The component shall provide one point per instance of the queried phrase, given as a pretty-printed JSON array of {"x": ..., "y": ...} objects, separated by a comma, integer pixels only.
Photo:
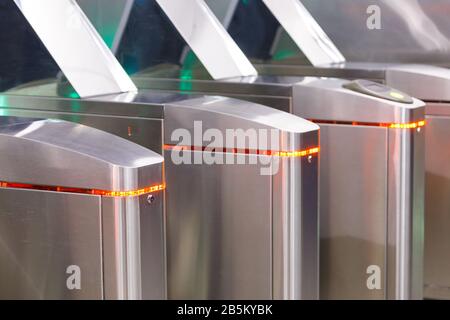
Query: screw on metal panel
[{"x": 150, "y": 199}]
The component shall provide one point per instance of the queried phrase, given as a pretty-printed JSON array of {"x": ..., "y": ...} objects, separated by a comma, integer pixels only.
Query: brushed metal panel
[
  {"x": 312, "y": 98},
  {"x": 276, "y": 102},
  {"x": 353, "y": 204},
  {"x": 261, "y": 85},
  {"x": 97, "y": 159},
  {"x": 133, "y": 240},
  {"x": 296, "y": 228},
  {"x": 114, "y": 105},
  {"x": 406, "y": 195},
  {"x": 41, "y": 234},
  {"x": 219, "y": 235},
  {"x": 145, "y": 132},
  {"x": 411, "y": 78},
  {"x": 437, "y": 208},
  {"x": 121, "y": 229},
  {"x": 327, "y": 99},
  {"x": 153, "y": 249},
  {"x": 438, "y": 109}
]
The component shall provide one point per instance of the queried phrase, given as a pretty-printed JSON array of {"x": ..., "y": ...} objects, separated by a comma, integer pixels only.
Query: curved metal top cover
[
  {"x": 329, "y": 99},
  {"x": 61, "y": 153},
  {"x": 428, "y": 83},
  {"x": 228, "y": 115}
]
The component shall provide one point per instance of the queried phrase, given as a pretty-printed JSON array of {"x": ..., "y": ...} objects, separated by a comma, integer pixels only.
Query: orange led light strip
[
  {"x": 302, "y": 153},
  {"x": 299, "y": 153},
  {"x": 105, "y": 193},
  {"x": 411, "y": 125}
]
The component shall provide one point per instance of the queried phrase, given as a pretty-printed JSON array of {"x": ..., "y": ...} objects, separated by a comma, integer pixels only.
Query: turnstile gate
[
  {"x": 269, "y": 227},
  {"x": 372, "y": 170},
  {"x": 81, "y": 214}
]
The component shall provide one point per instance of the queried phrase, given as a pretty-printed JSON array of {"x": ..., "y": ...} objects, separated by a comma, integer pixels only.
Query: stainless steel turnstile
[
  {"x": 364, "y": 141},
  {"x": 371, "y": 166},
  {"x": 81, "y": 214},
  {"x": 243, "y": 226},
  {"x": 241, "y": 213},
  {"x": 428, "y": 83},
  {"x": 371, "y": 178},
  {"x": 432, "y": 85}
]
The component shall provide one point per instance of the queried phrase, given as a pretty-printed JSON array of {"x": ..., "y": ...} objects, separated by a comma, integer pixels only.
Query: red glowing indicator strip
[
  {"x": 302, "y": 153},
  {"x": 105, "y": 193},
  {"x": 299, "y": 153},
  {"x": 411, "y": 125}
]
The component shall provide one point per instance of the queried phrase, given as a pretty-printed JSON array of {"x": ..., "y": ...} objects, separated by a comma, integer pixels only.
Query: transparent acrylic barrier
[
  {"x": 410, "y": 30},
  {"x": 148, "y": 42}
]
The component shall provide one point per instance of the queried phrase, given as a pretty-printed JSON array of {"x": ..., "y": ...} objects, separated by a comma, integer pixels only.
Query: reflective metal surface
[
  {"x": 391, "y": 191},
  {"x": 224, "y": 246},
  {"x": 68, "y": 242},
  {"x": 225, "y": 113},
  {"x": 354, "y": 195},
  {"x": 437, "y": 218},
  {"x": 297, "y": 197},
  {"x": 118, "y": 165},
  {"x": 260, "y": 247},
  {"x": 43, "y": 234},
  {"x": 327, "y": 99},
  {"x": 315, "y": 98},
  {"x": 412, "y": 79},
  {"x": 134, "y": 247},
  {"x": 207, "y": 38},
  {"x": 296, "y": 200},
  {"x": 404, "y": 250},
  {"x": 77, "y": 48},
  {"x": 409, "y": 78},
  {"x": 219, "y": 247},
  {"x": 405, "y": 209},
  {"x": 295, "y": 227}
]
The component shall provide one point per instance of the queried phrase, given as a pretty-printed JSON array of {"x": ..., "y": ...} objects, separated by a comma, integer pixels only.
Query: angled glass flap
[
  {"x": 109, "y": 18},
  {"x": 258, "y": 33},
  {"x": 207, "y": 38},
  {"x": 149, "y": 44},
  {"x": 305, "y": 31},
  {"x": 411, "y": 31},
  {"x": 64, "y": 37},
  {"x": 153, "y": 44},
  {"x": 224, "y": 10}
]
